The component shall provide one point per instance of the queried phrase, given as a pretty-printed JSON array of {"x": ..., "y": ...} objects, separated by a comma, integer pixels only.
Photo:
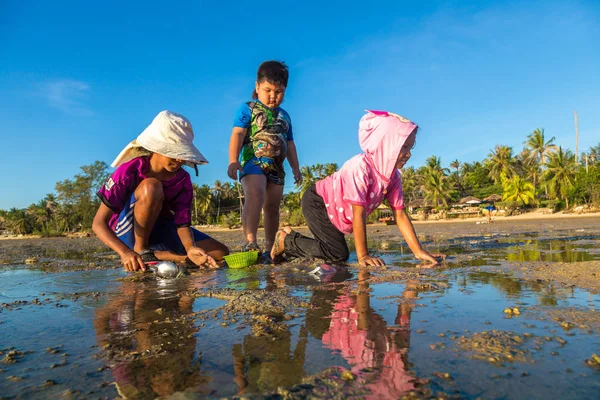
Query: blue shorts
[
  {"x": 264, "y": 166},
  {"x": 163, "y": 237}
]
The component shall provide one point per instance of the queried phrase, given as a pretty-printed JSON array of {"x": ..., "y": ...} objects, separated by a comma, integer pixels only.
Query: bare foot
[{"x": 278, "y": 246}]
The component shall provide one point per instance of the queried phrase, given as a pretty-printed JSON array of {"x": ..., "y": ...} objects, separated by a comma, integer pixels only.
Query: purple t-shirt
[{"x": 178, "y": 192}]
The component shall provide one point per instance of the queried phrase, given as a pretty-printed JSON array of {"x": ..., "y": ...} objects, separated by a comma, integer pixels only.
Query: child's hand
[
  {"x": 368, "y": 260},
  {"x": 233, "y": 169},
  {"x": 200, "y": 258},
  {"x": 297, "y": 176},
  {"x": 132, "y": 261},
  {"x": 430, "y": 258}
]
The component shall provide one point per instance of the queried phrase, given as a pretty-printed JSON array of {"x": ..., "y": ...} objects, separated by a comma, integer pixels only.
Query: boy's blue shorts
[
  {"x": 264, "y": 166},
  {"x": 163, "y": 237}
]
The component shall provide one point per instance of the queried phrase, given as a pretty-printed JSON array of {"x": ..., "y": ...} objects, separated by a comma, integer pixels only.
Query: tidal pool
[{"x": 361, "y": 332}]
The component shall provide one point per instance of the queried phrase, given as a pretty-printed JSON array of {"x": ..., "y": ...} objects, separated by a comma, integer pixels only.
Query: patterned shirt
[{"x": 265, "y": 144}]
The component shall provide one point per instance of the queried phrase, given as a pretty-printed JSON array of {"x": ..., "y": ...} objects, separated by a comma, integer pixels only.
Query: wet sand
[
  {"x": 90, "y": 253},
  {"x": 273, "y": 332}
]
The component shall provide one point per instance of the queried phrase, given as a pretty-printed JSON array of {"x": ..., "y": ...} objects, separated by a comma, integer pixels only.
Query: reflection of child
[
  {"x": 145, "y": 211},
  {"x": 365, "y": 341},
  {"x": 340, "y": 203},
  {"x": 166, "y": 363},
  {"x": 262, "y": 131}
]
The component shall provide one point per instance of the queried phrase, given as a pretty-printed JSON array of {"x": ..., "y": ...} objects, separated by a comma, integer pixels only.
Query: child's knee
[
  {"x": 254, "y": 195},
  {"x": 151, "y": 190}
]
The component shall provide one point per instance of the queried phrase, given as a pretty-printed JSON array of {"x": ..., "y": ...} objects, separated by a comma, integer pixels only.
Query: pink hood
[{"x": 381, "y": 136}]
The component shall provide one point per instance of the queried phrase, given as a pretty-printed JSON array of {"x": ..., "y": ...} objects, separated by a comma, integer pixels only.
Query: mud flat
[{"x": 513, "y": 313}]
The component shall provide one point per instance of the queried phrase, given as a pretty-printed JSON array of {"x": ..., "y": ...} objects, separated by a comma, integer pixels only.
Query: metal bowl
[{"x": 166, "y": 269}]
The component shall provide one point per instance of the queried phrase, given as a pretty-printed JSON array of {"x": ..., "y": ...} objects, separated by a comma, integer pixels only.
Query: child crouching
[
  {"x": 339, "y": 204},
  {"x": 145, "y": 214}
]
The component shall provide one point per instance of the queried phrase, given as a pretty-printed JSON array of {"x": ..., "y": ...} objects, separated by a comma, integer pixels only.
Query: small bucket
[{"x": 242, "y": 260}]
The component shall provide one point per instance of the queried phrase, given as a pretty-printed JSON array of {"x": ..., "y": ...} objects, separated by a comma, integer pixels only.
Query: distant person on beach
[
  {"x": 145, "y": 214},
  {"x": 262, "y": 132},
  {"x": 339, "y": 204}
]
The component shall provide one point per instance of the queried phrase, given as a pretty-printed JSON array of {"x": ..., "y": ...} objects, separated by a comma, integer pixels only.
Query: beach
[{"x": 515, "y": 302}]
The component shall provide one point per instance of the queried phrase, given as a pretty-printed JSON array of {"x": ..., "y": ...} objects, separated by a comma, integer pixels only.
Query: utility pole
[{"x": 576, "y": 139}]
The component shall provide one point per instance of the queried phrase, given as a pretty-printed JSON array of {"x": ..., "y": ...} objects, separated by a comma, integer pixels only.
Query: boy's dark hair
[{"x": 275, "y": 72}]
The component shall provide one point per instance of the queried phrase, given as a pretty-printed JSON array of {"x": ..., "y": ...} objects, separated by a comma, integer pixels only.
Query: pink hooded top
[{"x": 368, "y": 178}]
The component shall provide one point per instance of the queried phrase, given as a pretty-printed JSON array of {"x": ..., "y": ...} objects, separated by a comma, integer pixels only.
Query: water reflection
[
  {"x": 365, "y": 340},
  {"x": 262, "y": 364},
  {"x": 149, "y": 340},
  {"x": 550, "y": 251},
  {"x": 516, "y": 288}
]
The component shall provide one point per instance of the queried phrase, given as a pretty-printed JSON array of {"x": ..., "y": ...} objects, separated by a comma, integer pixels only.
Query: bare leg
[
  {"x": 271, "y": 213},
  {"x": 254, "y": 196},
  {"x": 149, "y": 200},
  {"x": 213, "y": 247}
]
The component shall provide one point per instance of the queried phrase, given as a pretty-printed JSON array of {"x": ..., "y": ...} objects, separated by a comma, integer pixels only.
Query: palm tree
[
  {"x": 537, "y": 149},
  {"x": 202, "y": 200},
  {"x": 501, "y": 160},
  {"x": 433, "y": 163},
  {"x": 560, "y": 173},
  {"x": 16, "y": 221},
  {"x": 218, "y": 188},
  {"x": 592, "y": 155},
  {"x": 410, "y": 183},
  {"x": 308, "y": 179},
  {"x": 330, "y": 169},
  {"x": 456, "y": 166},
  {"x": 436, "y": 187},
  {"x": 517, "y": 189}
]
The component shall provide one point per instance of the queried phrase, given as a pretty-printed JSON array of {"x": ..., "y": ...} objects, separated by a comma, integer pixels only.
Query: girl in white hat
[{"x": 145, "y": 214}]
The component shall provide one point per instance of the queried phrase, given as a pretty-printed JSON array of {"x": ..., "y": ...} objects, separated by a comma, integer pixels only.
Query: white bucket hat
[{"x": 169, "y": 134}]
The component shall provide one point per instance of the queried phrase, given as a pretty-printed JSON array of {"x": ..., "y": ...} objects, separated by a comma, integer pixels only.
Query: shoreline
[{"x": 474, "y": 221}]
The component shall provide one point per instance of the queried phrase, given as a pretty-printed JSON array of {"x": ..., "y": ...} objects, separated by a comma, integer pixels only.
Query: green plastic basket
[{"x": 242, "y": 260}]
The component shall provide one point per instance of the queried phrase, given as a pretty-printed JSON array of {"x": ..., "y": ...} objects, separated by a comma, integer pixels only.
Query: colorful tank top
[{"x": 265, "y": 144}]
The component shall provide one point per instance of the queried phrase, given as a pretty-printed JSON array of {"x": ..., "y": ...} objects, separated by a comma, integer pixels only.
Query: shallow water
[{"x": 88, "y": 334}]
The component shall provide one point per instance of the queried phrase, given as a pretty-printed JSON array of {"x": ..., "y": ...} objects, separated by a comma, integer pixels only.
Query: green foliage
[
  {"x": 517, "y": 189},
  {"x": 313, "y": 173},
  {"x": 555, "y": 205},
  {"x": 436, "y": 185},
  {"x": 77, "y": 197},
  {"x": 373, "y": 217},
  {"x": 586, "y": 189},
  {"x": 296, "y": 217},
  {"x": 552, "y": 170},
  {"x": 560, "y": 174},
  {"x": 230, "y": 220},
  {"x": 499, "y": 161}
]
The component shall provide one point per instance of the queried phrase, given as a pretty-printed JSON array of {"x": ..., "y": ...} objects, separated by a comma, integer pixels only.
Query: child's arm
[
  {"x": 292, "y": 156},
  {"x": 408, "y": 231},
  {"x": 130, "y": 259},
  {"x": 235, "y": 146},
  {"x": 359, "y": 229},
  {"x": 195, "y": 254}
]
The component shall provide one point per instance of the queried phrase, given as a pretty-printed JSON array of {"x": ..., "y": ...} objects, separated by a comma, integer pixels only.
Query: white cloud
[{"x": 67, "y": 95}]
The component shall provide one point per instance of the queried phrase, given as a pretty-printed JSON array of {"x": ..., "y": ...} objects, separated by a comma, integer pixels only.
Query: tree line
[{"x": 540, "y": 174}]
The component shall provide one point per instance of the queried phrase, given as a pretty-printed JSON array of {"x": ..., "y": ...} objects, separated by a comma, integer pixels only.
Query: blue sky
[{"x": 79, "y": 81}]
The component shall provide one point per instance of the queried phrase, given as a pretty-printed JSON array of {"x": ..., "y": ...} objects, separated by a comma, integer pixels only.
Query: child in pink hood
[{"x": 339, "y": 204}]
